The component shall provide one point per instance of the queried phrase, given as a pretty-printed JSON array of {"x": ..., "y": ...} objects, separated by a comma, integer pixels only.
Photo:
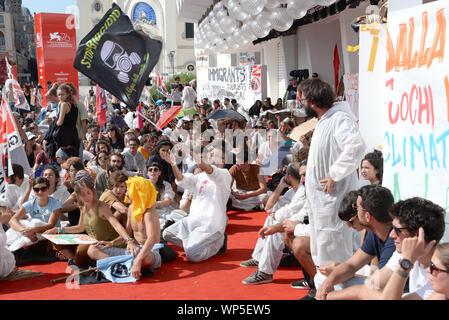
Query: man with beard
[
  {"x": 373, "y": 206},
  {"x": 116, "y": 162},
  {"x": 335, "y": 153}
]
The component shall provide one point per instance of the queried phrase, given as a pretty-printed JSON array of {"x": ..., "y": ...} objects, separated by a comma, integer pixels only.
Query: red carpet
[{"x": 218, "y": 278}]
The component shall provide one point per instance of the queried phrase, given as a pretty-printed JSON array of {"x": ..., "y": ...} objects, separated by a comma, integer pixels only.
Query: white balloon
[
  {"x": 280, "y": 20},
  {"x": 211, "y": 36},
  {"x": 215, "y": 25},
  {"x": 236, "y": 11},
  {"x": 271, "y": 4},
  {"x": 326, "y": 3},
  {"x": 218, "y": 6},
  {"x": 296, "y": 9},
  {"x": 247, "y": 32},
  {"x": 221, "y": 13},
  {"x": 228, "y": 24},
  {"x": 238, "y": 37},
  {"x": 253, "y": 7},
  {"x": 260, "y": 31},
  {"x": 231, "y": 43}
]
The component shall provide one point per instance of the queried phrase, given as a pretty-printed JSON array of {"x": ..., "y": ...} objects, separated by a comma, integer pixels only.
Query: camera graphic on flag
[{"x": 115, "y": 57}]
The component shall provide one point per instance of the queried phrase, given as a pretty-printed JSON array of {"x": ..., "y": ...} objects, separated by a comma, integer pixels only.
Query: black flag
[{"x": 117, "y": 57}]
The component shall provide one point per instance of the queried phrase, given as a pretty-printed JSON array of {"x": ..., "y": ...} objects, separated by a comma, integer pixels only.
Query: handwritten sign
[
  {"x": 242, "y": 83},
  {"x": 417, "y": 103}
]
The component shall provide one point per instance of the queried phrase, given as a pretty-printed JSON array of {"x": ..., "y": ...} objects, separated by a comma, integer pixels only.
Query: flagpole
[{"x": 139, "y": 113}]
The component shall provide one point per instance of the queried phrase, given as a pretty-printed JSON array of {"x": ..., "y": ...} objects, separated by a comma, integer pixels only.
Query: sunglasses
[
  {"x": 398, "y": 231},
  {"x": 433, "y": 268},
  {"x": 153, "y": 169},
  {"x": 351, "y": 221},
  {"x": 37, "y": 189}
]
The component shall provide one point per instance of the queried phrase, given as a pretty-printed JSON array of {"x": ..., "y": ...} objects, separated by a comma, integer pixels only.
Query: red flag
[
  {"x": 161, "y": 86},
  {"x": 336, "y": 66},
  {"x": 168, "y": 116},
  {"x": 101, "y": 106},
  {"x": 9, "y": 140}
]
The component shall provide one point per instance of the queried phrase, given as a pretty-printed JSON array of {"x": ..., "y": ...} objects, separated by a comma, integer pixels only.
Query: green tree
[{"x": 183, "y": 77}]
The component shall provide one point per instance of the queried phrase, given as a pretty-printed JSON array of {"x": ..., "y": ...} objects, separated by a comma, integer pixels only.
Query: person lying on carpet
[
  {"x": 95, "y": 218},
  {"x": 269, "y": 248},
  {"x": 142, "y": 225},
  {"x": 202, "y": 232}
]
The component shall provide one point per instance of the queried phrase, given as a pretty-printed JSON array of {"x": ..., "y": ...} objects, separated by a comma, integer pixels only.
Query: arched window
[{"x": 2, "y": 39}]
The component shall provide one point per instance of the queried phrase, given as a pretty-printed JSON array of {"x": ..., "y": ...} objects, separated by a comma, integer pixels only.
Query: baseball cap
[{"x": 30, "y": 135}]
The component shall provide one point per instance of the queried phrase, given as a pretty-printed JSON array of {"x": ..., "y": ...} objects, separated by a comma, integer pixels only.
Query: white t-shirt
[{"x": 418, "y": 276}]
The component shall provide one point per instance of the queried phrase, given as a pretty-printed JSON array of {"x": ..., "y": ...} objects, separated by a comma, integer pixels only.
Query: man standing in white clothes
[{"x": 335, "y": 153}]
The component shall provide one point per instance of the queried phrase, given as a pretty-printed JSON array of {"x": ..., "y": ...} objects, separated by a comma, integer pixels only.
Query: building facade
[
  {"x": 158, "y": 19},
  {"x": 17, "y": 41}
]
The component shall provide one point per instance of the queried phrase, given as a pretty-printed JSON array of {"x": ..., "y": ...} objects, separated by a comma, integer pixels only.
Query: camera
[{"x": 300, "y": 75}]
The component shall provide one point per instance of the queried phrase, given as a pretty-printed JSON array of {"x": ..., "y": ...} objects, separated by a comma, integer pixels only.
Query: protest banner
[
  {"x": 246, "y": 83},
  {"x": 117, "y": 57},
  {"x": 372, "y": 60},
  {"x": 416, "y": 107}
]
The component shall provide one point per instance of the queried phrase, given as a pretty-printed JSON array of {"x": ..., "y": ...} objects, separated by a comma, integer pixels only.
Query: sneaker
[
  {"x": 310, "y": 296},
  {"x": 251, "y": 263},
  {"x": 258, "y": 277},
  {"x": 301, "y": 284}
]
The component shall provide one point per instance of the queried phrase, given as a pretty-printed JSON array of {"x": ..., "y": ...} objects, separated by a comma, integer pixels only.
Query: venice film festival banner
[
  {"x": 414, "y": 113},
  {"x": 118, "y": 58},
  {"x": 56, "y": 48},
  {"x": 246, "y": 84}
]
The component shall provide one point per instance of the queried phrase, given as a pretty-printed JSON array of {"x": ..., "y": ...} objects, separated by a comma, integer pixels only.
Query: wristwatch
[{"x": 405, "y": 264}]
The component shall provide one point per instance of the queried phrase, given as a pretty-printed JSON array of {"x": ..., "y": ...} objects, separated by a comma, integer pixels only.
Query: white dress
[
  {"x": 201, "y": 233},
  {"x": 336, "y": 151}
]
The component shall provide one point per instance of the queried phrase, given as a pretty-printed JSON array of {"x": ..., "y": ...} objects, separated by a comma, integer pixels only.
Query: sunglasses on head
[
  {"x": 433, "y": 268},
  {"x": 37, "y": 189},
  {"x": 153, "y": 169}
]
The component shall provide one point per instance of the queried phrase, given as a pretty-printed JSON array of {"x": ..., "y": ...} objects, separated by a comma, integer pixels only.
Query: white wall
[{"x": 322, "y": 37}]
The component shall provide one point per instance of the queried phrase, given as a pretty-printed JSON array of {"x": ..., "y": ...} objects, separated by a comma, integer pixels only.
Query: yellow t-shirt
[{"x": 146, "y": 154}]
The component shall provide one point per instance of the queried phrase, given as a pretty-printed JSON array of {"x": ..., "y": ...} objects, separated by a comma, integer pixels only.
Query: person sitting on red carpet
[
  {"x": 202, "y": 232},
  {"x": 142, "y": 225},
  {"x": 269, "y": 248}
]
